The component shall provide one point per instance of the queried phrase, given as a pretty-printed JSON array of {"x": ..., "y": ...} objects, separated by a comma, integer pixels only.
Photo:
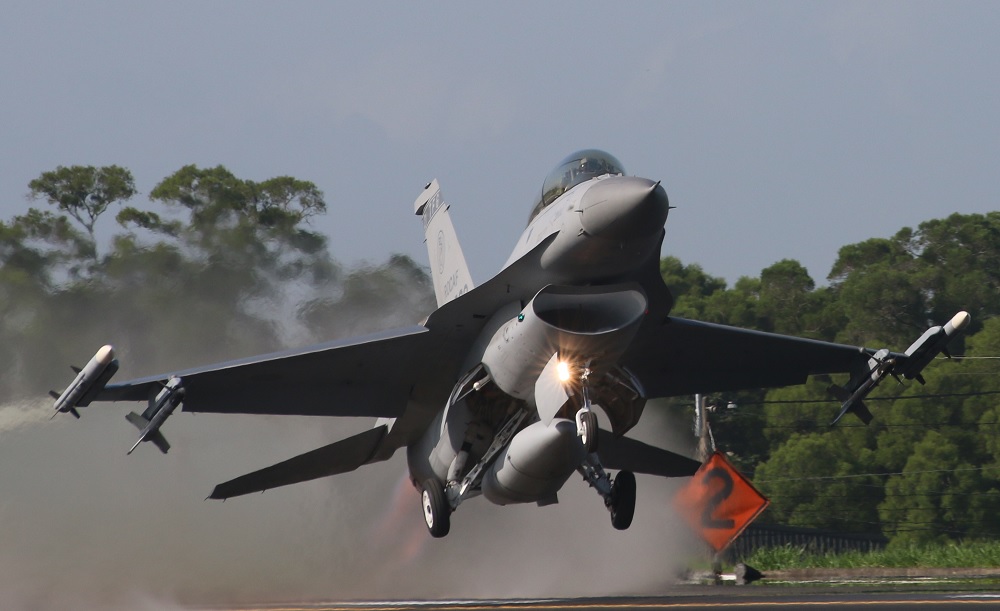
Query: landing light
[{"x": 562, "y": 370}]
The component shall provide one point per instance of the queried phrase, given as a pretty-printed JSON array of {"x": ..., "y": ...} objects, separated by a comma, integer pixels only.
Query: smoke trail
[
  {"x": 19, "y": 413},
  {"x": 85, "y": 526}
]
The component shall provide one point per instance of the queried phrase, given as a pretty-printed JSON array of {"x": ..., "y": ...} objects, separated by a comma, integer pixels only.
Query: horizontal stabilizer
[
  {"x": 339, "y": 457},
  {"x": 632, "y": 455}
]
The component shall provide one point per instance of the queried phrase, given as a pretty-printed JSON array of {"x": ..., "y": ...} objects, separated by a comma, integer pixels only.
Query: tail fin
[{"x": 448, "y": 268}]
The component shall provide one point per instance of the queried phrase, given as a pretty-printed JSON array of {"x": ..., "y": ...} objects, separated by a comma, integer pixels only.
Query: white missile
[
  {"x": 156, "y": 414},
  {"x": 88, "y": 382},
  {"x": 933, "y": 342}
]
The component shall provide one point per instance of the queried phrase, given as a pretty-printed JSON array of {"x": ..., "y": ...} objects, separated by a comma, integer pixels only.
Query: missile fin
[
  {"x": 138, "y": 421},
  {"x": 159, "y": 441}
]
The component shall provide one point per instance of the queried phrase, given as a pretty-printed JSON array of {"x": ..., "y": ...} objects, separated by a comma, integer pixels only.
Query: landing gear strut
[{"x": 586, "y": 418}]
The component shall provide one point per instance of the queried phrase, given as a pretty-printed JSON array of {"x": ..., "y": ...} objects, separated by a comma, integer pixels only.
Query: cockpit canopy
[{"x": 578, "y": 167}]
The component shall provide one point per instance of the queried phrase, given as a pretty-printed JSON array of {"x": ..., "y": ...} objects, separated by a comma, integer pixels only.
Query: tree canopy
[{"x": 928, "y": 467}]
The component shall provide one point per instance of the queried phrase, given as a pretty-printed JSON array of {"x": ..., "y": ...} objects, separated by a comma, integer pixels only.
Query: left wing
[
  {"x": 684, "y": 357},
  {"x": 363, "y": 376}
]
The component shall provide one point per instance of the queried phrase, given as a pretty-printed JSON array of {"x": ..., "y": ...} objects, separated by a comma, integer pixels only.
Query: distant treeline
[
  {"x": 212, "y": 267},
  {"x": 218, "y": 267},
  {"x": 928, "y": 467}
]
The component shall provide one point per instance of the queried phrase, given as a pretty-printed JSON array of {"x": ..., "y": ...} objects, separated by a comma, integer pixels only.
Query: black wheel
[
  {"x": 623, "y": 500},
  {"x": 589, "y": 436},
  {"x": 437, "y": 512}
]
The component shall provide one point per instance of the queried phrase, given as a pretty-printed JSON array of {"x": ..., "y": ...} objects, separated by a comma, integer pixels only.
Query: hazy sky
[{"x": 779, "y": 129}]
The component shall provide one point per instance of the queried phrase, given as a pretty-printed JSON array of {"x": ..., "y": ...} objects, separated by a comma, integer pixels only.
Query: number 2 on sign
[{"x": 713, "y": 503}]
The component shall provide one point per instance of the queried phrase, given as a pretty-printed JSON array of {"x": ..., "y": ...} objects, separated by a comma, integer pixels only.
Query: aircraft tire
[
  {"x": 623, "y": 500},
  {"x": 437, "y": 512},
  {"x": 589, "y": 437}
]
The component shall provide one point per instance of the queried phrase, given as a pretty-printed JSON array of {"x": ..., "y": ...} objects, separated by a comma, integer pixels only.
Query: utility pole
[{"x": 706, "y": 443}]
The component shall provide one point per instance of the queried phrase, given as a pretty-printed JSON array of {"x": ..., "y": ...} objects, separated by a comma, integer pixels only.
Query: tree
[
  {"x": 689, "y": 285},
  {"x": 84, "y": 192},
  {"x": 821, "y": 480},
  {"x": 939, "y": 496},
  {"x": 394, "y": 294},
  {"x": 788, "y": 302}
]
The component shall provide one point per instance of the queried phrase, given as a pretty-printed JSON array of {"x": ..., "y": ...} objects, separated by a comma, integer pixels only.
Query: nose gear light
[{"x": 562, "y": 370}]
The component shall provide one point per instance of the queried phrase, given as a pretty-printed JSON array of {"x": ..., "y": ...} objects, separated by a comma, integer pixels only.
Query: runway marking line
[{"x": 624, "y": 605}]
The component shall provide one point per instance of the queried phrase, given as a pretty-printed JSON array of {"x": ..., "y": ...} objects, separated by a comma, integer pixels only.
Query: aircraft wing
[
  {"x": 683, "y": 357},
  {"x": 338, "y": 457},
  {"x": 363, "y": 376}
]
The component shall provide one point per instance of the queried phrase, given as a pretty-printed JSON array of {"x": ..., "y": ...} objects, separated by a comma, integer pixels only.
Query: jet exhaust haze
[{"x": 86, "y": 526}]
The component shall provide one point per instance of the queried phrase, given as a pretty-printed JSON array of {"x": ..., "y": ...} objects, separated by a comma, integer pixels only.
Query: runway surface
[{"x": 965, "y": 596}]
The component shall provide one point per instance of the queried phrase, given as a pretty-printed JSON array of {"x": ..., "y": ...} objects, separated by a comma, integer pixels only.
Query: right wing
[{"x": 363, "y": 376}]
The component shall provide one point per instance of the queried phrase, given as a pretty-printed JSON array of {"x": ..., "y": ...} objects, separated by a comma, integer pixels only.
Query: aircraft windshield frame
[{"x": 579, "y": 167}]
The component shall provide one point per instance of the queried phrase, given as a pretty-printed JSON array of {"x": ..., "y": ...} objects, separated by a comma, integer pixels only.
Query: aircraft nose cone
[{"x": 624, "y": 207}]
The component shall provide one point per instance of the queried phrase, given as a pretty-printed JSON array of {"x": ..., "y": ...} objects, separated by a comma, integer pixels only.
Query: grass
[{"x": 973, "y": 554}]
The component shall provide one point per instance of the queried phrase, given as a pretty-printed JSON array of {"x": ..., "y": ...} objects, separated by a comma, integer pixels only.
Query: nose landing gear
[{"x": 586, "y": 418}]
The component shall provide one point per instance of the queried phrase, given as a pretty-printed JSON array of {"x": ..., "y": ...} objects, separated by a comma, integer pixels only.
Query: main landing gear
[
  {"x": 437, "y": 510},
  {"x": 618, "y": 495}
]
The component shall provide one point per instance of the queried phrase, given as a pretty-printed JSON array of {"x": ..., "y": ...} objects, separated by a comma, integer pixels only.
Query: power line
[
  {"x": 898, "y": 398},
  {"x": 827, "y": 426},
  {"x": 834, "y": 477}
]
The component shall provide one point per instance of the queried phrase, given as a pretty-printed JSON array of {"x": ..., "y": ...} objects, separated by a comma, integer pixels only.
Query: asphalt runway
[{"x": 965, "y": 596}]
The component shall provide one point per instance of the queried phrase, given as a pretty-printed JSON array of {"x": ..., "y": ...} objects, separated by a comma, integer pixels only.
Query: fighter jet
[{"x": 497, "y": 392}]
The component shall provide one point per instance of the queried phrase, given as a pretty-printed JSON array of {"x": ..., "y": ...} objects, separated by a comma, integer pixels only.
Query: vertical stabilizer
[{"x": 448, "y": 267}]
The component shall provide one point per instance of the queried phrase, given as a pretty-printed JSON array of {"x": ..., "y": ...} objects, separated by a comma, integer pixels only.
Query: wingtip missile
[
  {"x": 89, "y": 381},
  {"x": 933, "y": 342},
  {"x": 910, "y": 364}
]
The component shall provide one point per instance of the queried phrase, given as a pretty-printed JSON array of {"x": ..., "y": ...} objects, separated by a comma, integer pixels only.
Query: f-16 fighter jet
[{"x": 496, "y": 393}]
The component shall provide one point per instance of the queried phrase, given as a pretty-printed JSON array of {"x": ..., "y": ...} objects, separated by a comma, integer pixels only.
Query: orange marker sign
[{"x": 719, "y": 502}]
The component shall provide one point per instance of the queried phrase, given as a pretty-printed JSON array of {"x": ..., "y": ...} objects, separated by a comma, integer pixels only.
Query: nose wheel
[
  {"x": 437, "y": 511},
  {"x": 586, "y": 427}
]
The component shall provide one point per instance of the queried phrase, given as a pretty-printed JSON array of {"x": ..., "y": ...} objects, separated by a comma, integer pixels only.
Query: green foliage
[
  {"x": 950, "y": 555},
  {"x": 821, "y": 480},
  {"x": 212, "y": 267},
  {"x": 84, "y": 192},
  {"x": 928, "y": 468}
]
